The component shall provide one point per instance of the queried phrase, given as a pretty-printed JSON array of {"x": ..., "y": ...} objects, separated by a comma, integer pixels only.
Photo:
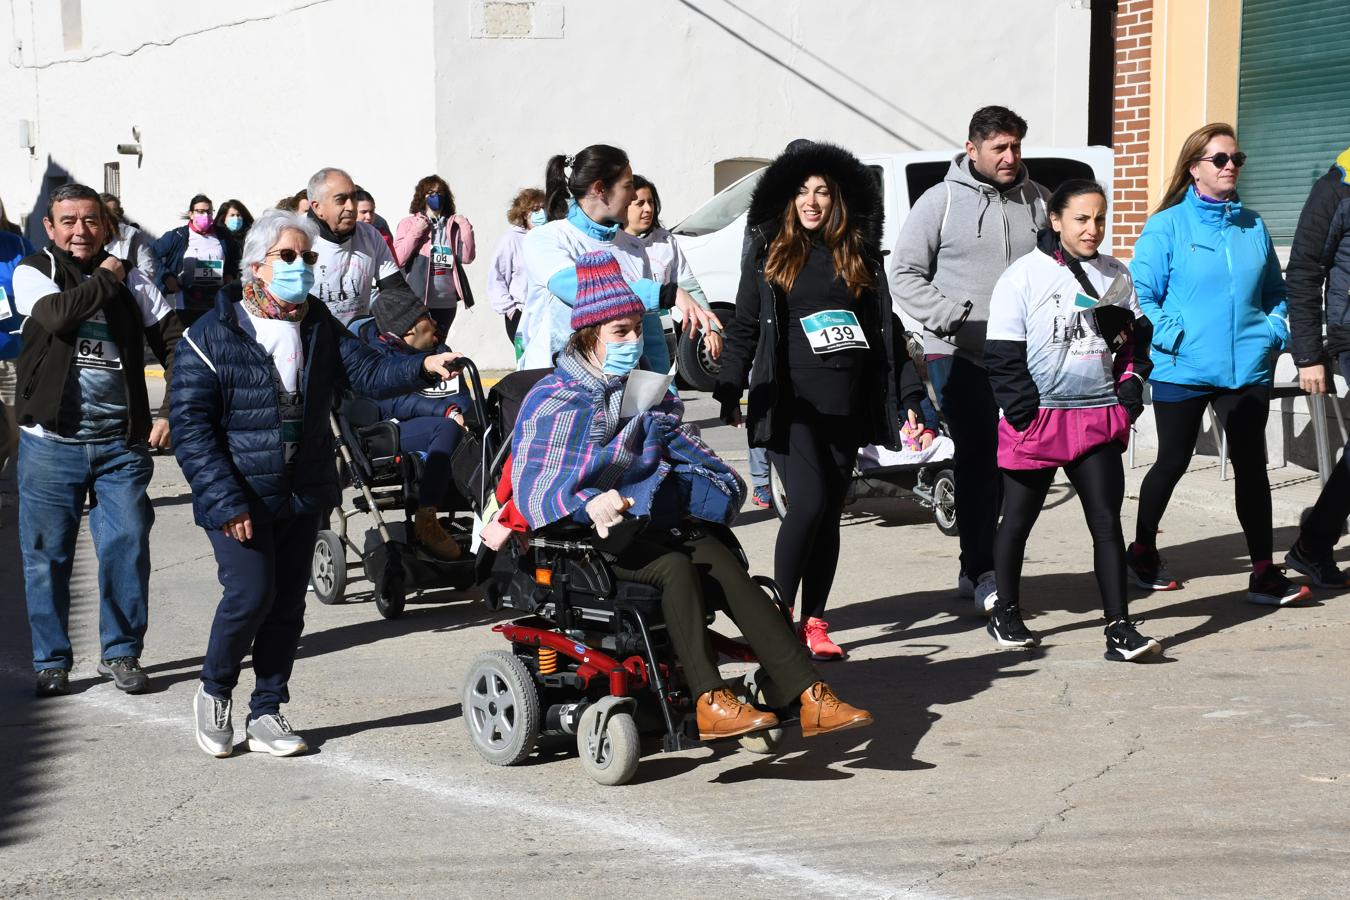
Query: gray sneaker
[
  {"x": 215, "y": 731},
  {"x": 272, "y": 734}
]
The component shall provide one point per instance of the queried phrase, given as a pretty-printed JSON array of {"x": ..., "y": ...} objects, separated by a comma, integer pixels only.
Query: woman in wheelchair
[
  {"x": 577, "y": 459},
  {"x": 430, "y": 420}
]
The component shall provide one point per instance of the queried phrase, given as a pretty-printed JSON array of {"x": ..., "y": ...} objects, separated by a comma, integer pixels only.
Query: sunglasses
[
  {"x": 288, "y": 256},
  {"x": 1222, "y": 159}
]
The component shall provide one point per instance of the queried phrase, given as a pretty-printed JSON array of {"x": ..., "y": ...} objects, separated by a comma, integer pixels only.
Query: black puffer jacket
[
  {"x": 1319, "y": 268},
  {"x": 756, "y": 346}
]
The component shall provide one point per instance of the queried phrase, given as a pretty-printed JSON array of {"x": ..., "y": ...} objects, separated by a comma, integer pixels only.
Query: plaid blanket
[{"x": 570, "y": 445}]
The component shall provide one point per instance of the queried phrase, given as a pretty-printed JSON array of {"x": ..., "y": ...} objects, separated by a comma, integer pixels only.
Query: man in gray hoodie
[{"x": 954, "y": 245}]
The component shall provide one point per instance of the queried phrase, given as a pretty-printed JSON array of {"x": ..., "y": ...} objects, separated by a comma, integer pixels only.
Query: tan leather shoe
[
  {"x": 432, "y": 535},
  {"x": 721, "y": 714},
  {"x": 823, "y": 711}
]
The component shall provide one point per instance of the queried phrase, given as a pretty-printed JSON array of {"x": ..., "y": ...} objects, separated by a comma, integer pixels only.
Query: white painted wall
[{"x": 248, "y": 98}]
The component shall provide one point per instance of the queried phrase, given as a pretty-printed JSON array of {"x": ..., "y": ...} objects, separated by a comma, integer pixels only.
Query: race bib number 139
[{"x": 834, "y": 330}]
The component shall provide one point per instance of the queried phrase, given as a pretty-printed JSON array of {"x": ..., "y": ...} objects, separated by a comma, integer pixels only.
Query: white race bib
[
  {"x": 443, "y": 388},
  {"x": 834, "y": 330},
  {"x": 207, "y": 272},
  {"x": 94, "y": 346},
  {"x": 442, "y": 256},
  {"x": 5, "y": 311}
]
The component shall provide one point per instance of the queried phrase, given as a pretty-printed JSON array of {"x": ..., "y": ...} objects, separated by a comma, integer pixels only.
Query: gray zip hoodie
[{"x": 955, "y": 243}]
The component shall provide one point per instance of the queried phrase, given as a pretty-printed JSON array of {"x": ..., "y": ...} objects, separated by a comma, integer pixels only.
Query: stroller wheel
[
  {"x": 610, "y": 756},
  {"x": 501, "y": 707},
  {"x": 944, "y": 502},
  {"x": 328, "y": 569},
  {"x": 778, "y": 491},
  {"x": 389, "y": 600},
  {"x": 767, "y": 741}
]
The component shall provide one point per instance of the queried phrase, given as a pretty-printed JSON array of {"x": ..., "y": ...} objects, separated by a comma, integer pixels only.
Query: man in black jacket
[
  {"x": 1318, "y": 274},
  {"x": 87, "y": 430}
]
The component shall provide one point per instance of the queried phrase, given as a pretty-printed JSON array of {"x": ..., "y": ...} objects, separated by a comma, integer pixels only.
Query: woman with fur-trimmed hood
[{"x": 815, "y": 340}]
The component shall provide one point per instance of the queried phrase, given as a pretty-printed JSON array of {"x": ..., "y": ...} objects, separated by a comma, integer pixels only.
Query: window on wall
[
  {"x": 1293, "y": 94},
  {"x": 112, "y": 178}
]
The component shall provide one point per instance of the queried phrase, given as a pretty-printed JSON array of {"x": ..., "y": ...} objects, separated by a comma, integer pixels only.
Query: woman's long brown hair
[
  {"x": 788, "y": 251},
  {"x": 1191, "y": 152}
]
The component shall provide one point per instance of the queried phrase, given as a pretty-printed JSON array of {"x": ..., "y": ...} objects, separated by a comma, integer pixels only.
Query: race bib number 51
[{"x": 834, "y": 330}]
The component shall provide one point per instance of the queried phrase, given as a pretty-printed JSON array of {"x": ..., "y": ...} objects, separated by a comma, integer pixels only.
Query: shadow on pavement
[{"x": 317, "y": 737}]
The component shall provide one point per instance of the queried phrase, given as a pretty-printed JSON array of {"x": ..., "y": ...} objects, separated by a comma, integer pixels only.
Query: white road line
[{"x": 467, "y": 791}]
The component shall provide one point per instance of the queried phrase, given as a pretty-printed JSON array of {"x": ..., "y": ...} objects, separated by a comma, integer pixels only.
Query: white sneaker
[
  {"x": 986, "y": 594},
  {"x": 965, "y": 588}
]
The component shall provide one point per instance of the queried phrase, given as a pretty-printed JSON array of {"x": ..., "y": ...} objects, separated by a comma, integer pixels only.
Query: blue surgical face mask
[
  {"x": 538, "y": 217},
  {"x": 234, "y": 223},
  {"x": 291, "y": 282},
  {"x": 621, "y": 357},
  {"x": 434, "y": 202}
]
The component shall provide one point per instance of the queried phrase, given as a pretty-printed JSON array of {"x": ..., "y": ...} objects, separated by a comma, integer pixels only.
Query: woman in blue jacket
[
  {"x": 250, "y": 405},
  {"x": 1208, "y": 279}
]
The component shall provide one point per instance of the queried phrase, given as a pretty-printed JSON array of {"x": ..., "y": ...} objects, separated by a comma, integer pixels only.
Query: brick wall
[{"x": 1130, "y": 122}]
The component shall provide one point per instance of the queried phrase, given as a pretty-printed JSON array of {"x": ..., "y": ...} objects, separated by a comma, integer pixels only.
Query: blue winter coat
[
  {"x": 426, "y": 401},
  {"x": 1208, "y": 279},
  {"x": 172, "y": 246},
  {"x": 226, "y": 422}
]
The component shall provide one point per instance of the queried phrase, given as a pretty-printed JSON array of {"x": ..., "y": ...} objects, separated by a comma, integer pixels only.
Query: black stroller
[{"x": 370, "y": 460}]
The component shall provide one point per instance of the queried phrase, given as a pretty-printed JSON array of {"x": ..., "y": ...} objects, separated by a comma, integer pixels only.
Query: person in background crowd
[
  {"x": 6, "y": 224},
  {"x": 87, "y": 428},
  {"x": 573, "y": 461},
  {"x": 1318, "y": 276},
  {"x": 13, "y": 249},
  {"x": 365, "y": 212},
  {"x": 251, "y": 401},
  {"x": 355, "y": 265},
  {"x": 195, "y": 260},
  {"x": 432, "y": 245},
  {"x": 586, "y": 197},
  {"x": 233, "y": 220},
  {"x": 506, "y": 276},
  {"x": 957, "y": 239},
  {"x": 1209, "y": 281},
  {"x": 825, "y": 377},
  {"x": 127, "y": 241},
  {"x": 663, "y": 252},
  {"x": 1067, "y": 354},
  {"x": 430, "y": 420}
]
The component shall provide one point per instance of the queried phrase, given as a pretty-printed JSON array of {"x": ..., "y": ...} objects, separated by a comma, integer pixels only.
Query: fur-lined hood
[{"x": 780, "y": 182}]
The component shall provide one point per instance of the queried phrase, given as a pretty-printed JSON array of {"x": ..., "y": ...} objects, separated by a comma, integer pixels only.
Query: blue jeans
[
  {"x": 54, "y": 479},
  {"x": 263, "y": 608},
  {"x": 967, "y": 403},
  {"x": 759, "y": 467}
]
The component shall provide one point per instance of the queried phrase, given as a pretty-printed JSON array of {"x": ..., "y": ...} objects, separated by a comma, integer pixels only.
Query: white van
[{"x": 713, "y": 235}]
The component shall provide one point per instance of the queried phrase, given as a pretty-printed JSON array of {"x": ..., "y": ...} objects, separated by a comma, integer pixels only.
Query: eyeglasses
[
  {"x": 288, "y": 256},
  {"x": 1222, "y": 159}
]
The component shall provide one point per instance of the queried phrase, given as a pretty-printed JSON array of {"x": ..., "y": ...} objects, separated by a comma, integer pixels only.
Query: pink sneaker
[{"x": 818, "y": 641}]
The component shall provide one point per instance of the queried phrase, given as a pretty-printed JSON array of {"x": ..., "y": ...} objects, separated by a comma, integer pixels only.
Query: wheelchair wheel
[
  {"x": 328, "y": 569},
  {"x": 944, "y": 502},
  {"x": 778, "y": 491},
  {"x": 760, "y": 741},
  {"x": 610, "y": 758},
  {"x": 500, "y": 707}
]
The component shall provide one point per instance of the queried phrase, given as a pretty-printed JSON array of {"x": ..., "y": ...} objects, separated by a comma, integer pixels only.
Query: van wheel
[
  {"x": 697, "y": 368},
  {"x": 778, "y": 491},
  {"x": 328, "y": 569}
]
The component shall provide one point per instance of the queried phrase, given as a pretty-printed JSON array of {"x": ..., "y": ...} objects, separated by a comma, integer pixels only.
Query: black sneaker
[
  {"x": 1007, "y": 629},
  {"x": 1125, "y": 644},
  {"x": 1148, "y": 570},
  {"x": 52, "y": 683},
  {"x": 1271, "y": 588},
  {"x": 126, "y": 673},
  {"x": 1322, "y": 572}
]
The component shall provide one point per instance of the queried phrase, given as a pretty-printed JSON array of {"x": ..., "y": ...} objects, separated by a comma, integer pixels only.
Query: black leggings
[
  {"x": 1243, "y": 414},
  {"x": 1099, "y": 479},
  {"x": 816, "y": 471}
]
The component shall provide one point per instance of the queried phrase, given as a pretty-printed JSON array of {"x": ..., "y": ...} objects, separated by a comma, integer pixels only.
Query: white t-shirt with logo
[{"x": 346, "y": 275}]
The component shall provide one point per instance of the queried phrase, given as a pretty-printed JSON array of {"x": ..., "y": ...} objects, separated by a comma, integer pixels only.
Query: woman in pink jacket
[{"x": 432, "y": 246}]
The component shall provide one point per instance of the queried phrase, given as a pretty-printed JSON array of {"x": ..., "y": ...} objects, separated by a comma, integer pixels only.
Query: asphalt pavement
[{"x": 1220, "y": 769}]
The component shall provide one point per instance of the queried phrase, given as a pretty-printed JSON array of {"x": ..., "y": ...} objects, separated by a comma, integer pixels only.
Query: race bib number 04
[
  {"x": 441, "y": 256},
  {"x": 834, "y": 330},
  {"x": 94, "y": 346}
]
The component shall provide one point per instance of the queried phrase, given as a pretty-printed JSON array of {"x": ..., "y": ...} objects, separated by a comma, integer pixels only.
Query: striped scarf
[{"x": 260, "y": 303}]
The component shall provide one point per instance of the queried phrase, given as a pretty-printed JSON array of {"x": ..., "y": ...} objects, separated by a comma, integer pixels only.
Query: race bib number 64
[{"x": 834, "y": 330}]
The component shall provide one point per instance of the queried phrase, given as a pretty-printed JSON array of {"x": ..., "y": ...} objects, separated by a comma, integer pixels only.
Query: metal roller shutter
[{"x": 1293, "y": 102}]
